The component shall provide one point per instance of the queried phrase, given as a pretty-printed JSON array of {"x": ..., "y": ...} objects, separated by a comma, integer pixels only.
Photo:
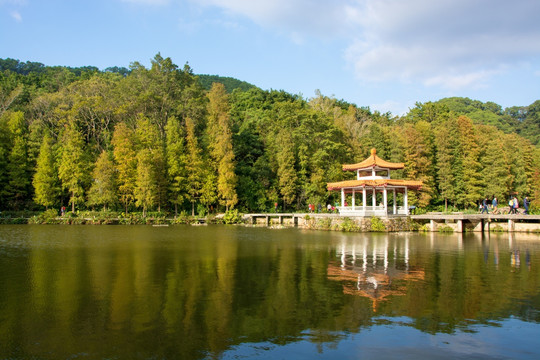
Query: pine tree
[
  {"x": 46, "y": 184},
  {"x": 126, "y": 162},
  {"x": 74, "y": 167},
  {"x": 220, "y": 136},
  {"x": 103, "y": 188}
]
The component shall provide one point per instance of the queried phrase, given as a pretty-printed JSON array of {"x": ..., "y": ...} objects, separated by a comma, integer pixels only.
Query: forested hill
[
  {"x": 36, "y": 69},
  {"x": 523, "y": 120},
  {"x": 157, "y": 139},
  {"x": 230, "y": 83}
]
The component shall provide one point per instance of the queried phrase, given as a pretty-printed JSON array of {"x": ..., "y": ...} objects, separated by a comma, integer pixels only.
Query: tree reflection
[{"x": 195, "y": 293}]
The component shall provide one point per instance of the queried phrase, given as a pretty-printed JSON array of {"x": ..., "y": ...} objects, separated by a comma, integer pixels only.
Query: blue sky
[{"x": 385, "y": 54}]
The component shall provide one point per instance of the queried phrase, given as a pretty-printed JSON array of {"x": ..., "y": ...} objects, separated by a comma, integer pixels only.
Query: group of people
[
  {"x": 319, "y": 209},
  {"x": 513, "y": 204}
]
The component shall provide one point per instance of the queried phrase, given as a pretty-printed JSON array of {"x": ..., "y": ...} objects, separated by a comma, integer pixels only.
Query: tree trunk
[
  {"x": 73, "y": 202},
  {"x": 193, "y": 208}
]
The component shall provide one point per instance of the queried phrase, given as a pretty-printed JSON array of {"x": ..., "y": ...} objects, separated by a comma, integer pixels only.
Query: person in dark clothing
[
  {"x": 485, "y": 206},
  {"x": 526, "y": 205}
]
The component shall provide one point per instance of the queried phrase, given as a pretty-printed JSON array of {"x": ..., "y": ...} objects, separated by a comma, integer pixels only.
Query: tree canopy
[{"x": 160, "y": 138}]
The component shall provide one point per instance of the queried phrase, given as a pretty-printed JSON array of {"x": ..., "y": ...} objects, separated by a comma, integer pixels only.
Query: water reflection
[
  {"x": 380, "y": 273},
  {"x": 192, "y": 293}
]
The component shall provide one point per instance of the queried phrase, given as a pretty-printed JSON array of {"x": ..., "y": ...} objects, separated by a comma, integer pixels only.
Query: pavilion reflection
[{"x": 377, "y": 269}]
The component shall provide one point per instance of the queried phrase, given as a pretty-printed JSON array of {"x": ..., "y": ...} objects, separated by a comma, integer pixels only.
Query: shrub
[
  {"x": 232, "y": 217},
  {"x": 445, "y": 229},
  {"x": 324, "y": 223},
  {"x": 348, "y": 225},
  {"x": 377, "y": 225}
]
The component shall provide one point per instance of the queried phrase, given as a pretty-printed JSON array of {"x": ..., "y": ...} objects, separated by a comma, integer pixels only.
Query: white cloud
[
  {"x": 449, "y": 43},
  {"x": 298, "y": 18},
  {"x": 16, "y": 15},
  {"x": 148, "y": 2}
]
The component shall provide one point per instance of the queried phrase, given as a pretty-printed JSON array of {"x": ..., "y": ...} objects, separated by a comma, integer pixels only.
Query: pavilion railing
[{"x": 359, "y": 210}]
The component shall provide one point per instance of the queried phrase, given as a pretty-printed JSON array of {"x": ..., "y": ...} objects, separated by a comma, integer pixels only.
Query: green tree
[
  {"x": 146, "y": 183},
  {"x": 148, "y": 138},
  {"x": 74, "y": 167},
  {"x": 126, "y": 162},
  {"x": 176, "y": 162},
  {"x": 194, "y": 165},
  {"x": 495, "y": 162},
  {"x": 103, "y": 188},
  {"x": 448, "y": 164},
  {"x": 220, "y": 137},
  {"x": 472, "y": 177},
  {"x": 46, "y": 186},
  {"x": 17, "y": 187},
  {"x": 286, "y": 172}
]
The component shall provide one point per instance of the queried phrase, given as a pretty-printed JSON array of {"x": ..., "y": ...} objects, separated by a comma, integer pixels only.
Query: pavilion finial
[{"x": 373, "y": 152}]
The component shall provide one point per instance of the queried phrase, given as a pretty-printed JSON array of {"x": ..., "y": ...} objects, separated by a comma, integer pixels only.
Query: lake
[{"x": 233, "y": 292}]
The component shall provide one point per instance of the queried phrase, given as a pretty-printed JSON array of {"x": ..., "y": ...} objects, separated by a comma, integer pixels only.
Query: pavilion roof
[
  {"x": 410, "y": 184},
  {"x": 373, "y": 161}
]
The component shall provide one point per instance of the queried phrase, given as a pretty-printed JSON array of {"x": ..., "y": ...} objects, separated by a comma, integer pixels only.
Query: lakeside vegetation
[{"x": 164, "y": 140}]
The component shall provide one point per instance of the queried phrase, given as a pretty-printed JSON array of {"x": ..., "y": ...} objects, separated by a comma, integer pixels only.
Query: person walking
[
  {"x": 494, "y": 204},
  {"x": 485, "y": 206},
  {"x": 526, "y": 205},
  {"x": 516, "y": 205}
]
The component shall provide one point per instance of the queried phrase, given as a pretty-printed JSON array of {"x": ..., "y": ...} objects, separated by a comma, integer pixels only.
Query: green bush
[
  {"x": 445, "y": 229},
  {"x": 47, "y": 217},
  {"x": 348, "y": 225},
  {"x": 232, "y": 217},
  {"x": 324, "y": 223},
  {"x": 377, "y": 225}
]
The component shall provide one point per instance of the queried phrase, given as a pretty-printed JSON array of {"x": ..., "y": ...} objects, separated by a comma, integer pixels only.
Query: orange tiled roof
[
  {"x": 411, "y": 184},
  {"x": 372, "y": 161}
]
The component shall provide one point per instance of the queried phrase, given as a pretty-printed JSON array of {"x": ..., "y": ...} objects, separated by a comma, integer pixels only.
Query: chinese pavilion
[{"x": 372, "y": 177}]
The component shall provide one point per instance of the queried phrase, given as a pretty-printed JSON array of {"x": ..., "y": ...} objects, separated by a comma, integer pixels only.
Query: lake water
[{"x": 231, "y": 292}]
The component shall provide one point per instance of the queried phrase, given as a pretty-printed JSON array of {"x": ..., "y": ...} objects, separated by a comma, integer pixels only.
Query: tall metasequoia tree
[
  {"x": 103, "y": 188},
  {"x": 18, "y": 180},
  {"x": 472, "y": 178},
  {"x": 148, "y": 138},
  {"x": 125, "y": 158},
  {"x": 286, "y": 172},
  {"x": 46, "y": 186},
  {"x": 194, "y": 164},
  {"x": 74, "y": 167},
  {"x": 221, "y": 150},
  {"x": 447, "y": 164},
  {"x": 176, "y": 162}
]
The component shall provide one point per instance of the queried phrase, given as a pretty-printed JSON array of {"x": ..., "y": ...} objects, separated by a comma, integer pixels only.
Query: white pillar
[
  {"x": 353, "y": 198},
  {"x": 342, "y": 197},
  {"x": 374, "y": 199},
  {"x": 385, "y": 201},
  {"x": 406, "y": 202},
  {"x": 364, "y": 199},
  {"x": 395, "y": 201}
]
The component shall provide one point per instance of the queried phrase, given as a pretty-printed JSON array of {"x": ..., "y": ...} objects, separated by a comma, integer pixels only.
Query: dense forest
[{"x": 165, "y": 139}]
